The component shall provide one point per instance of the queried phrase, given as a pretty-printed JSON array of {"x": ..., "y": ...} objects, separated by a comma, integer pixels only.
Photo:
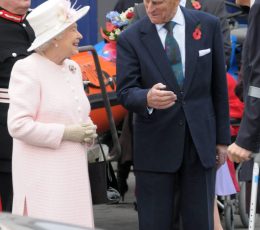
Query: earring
[{"x": 56, "y": 45}]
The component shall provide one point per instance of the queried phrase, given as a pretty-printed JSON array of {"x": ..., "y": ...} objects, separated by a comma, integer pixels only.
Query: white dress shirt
[
  {"x": 178, "y": 33},
  {"x": 183, "y": 3}
]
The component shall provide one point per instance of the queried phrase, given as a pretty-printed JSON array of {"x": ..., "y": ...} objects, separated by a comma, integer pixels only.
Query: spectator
[
  {"x": 123, "y": 5},
  {"x": 248, "y": 139}
]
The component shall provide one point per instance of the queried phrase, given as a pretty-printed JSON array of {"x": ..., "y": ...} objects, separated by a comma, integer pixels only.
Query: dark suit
[
  {"x": 249, "y": 133},
  {"x": 215, "y": 7},
  {"x": 123, "y": 5},
  {"x": 175, "y": 145}
]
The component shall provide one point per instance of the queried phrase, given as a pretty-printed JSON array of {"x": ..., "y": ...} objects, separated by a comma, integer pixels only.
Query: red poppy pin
[
  {"x": 196, "y": 4},
  {"x": 197, "y": 33}
]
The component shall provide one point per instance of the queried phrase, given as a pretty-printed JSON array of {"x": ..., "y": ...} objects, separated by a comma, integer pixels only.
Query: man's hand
[
  {"x": 159, "y": 98},
  {"x": 221, "y": 155},
  {"x": 243, "y": 2},
  {"x": 238, "y": 154}
]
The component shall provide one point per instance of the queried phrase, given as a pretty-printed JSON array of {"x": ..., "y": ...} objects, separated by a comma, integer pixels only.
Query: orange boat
[{"x": 93, "y": 90}]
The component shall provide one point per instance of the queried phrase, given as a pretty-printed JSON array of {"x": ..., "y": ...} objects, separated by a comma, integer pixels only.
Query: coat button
[
  {"x": 14, "y": 54},
  {"x": 181, "y": 122},
  {"x": 24, "y": 25}
]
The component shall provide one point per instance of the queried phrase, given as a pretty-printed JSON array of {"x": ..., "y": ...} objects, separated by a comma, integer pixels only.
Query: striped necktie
[{"x": 173, "y": 53}]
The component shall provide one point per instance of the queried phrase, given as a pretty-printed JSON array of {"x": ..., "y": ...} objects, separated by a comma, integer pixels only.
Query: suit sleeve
[
  {"x": 25, "y": 97},
  {"x": 219, "y": 89},
  {"x": 130, "y": 91},
  {"x": 249, "y": 133},
  {"x": 218, "y": 8}
]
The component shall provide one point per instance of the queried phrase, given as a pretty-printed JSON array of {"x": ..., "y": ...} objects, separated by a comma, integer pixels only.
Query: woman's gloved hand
[
  {"x": 90, "y": 133},
  {"x": 80, "y": 132}
]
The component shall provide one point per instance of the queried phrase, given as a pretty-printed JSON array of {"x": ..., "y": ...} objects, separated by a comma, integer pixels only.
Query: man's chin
[{"x": 155, "y": 20}]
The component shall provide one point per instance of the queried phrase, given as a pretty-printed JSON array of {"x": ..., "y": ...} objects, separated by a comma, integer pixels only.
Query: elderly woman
[{"x": 49, "y": 121}]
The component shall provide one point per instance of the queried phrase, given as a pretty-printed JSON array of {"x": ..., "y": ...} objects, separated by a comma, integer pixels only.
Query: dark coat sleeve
[
  {"x": 249, "y": 134},
  {"x": 218, "y": 8},
  {"x": 130, "y": 91},
  {"x": 139, "y": 12}
]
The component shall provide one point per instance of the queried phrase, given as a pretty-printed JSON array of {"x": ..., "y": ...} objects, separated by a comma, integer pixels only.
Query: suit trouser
[
  {"x": 196, "y": 186},
  {"x": 6, "y": 191},
  {"x": 6, "y": 143}
]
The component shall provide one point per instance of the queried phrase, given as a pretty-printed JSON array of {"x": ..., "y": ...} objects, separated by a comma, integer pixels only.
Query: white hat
[{"x": 51, "y": 18}]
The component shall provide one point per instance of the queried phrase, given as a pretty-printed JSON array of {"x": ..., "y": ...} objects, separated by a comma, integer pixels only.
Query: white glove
[
  {"x": 80, "y": 133},
  {"x": 90, "y": 133}
]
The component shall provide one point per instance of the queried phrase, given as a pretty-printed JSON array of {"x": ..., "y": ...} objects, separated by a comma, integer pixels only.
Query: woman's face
[{"x": 69, "y": 41}]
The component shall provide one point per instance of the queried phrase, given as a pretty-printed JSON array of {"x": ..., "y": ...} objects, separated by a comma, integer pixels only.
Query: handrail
[{"x": 112, "y": 125}]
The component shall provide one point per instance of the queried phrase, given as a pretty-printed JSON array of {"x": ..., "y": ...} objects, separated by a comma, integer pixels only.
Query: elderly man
[
  {"x": 16, "y": 37},
  {"x": 181, "y": 111},
  {"x": 215, "y": 7}
]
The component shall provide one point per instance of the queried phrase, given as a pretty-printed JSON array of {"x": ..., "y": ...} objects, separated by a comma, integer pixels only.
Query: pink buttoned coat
[{"x": 49, "y": 175}]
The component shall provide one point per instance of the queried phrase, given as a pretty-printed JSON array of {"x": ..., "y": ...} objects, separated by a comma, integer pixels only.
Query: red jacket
[{"x": 236, "y": 107}]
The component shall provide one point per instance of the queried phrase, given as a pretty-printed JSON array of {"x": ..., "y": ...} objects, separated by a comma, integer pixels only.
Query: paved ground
[{"x": 122, "y": 216}]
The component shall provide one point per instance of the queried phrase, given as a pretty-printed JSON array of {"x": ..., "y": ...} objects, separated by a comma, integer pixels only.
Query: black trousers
[
  {"x": 194, "y": 187},
  {"x": 6, "y": 143},
  {"x": 6, "y": 191}
]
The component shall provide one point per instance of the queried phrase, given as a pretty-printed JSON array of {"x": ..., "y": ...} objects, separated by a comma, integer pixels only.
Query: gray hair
[{"x": 47, "y": 44}]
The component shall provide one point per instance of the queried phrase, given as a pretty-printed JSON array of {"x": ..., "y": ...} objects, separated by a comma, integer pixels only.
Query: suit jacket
[
  {"x": 15, "y": 39},
  {"x": 215, "y": 7},
  {"x": 249, "y": 133},
  {"x": 202, "y": 105},
  {"x": 123, "y": 5}
]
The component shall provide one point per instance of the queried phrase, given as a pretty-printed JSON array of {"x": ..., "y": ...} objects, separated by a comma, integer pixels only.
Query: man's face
[
  {"x": 161, "y": 11},
  {"x": 16, "y": 6}
]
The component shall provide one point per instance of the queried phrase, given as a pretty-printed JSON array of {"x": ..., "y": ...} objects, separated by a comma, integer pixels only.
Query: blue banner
[{"x": 87, "y": 25}]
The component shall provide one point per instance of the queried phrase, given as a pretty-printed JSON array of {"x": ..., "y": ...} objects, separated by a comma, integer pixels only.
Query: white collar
[{"x": 183, "y": 3}]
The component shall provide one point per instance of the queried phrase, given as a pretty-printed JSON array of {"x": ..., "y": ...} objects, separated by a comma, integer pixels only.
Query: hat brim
[{"x": 42, "y": 39}]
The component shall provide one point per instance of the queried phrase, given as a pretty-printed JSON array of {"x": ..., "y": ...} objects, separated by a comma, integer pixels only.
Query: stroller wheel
[
  {"x": 242, "y": 205},
  {"x": 229, "y": 217}
]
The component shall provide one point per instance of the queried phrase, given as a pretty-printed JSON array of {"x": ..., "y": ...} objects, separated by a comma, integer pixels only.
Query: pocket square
[{"x": 204, "y": 52}]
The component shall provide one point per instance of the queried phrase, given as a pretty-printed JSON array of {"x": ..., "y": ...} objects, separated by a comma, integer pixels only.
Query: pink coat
[{"x": 51, "y": 175}]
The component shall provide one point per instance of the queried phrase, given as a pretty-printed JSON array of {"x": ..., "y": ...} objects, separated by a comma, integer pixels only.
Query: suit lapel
[
  {"x": 191, "y": 47},
  {"x": 152, "y": 42}
]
